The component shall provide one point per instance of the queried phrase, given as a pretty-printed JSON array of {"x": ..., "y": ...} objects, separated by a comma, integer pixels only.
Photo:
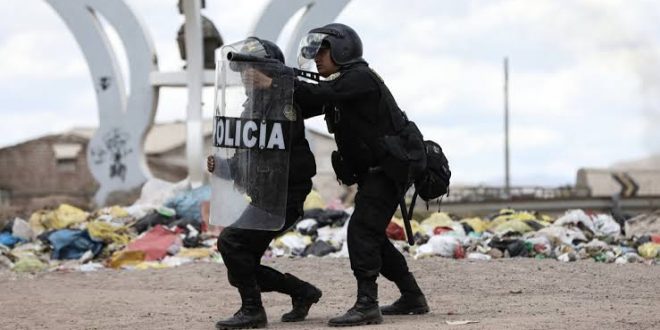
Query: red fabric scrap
[
  {"x": 459, "y": 252},
  {"x": 395, "y": 232},
  {"x": 154, "y": 243},
  {"x": 441, "y": 230},
  {"x": 655, "y": 238}
]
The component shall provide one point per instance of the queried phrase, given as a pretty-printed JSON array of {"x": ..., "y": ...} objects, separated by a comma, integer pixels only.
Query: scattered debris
[{"x": 168, "y": 226}]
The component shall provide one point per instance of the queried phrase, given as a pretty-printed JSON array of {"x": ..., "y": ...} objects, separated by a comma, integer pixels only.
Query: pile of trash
[
  {"x": 168, "y": 226},
  {"x": 164, "y": 228},
  {"x": 573, "y": 236}
]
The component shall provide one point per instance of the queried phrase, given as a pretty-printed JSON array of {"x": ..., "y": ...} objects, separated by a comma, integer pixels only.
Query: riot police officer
[
  {"x": 360, "y": 111},
  {"x": 242, "y": 249}
]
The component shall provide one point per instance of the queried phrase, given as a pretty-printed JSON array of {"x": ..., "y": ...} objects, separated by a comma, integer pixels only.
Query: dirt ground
[{"x": 499, "y": 294}]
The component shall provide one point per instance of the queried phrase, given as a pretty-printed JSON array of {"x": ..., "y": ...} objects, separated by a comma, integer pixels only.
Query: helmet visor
[{"x": 309, "y": 47}]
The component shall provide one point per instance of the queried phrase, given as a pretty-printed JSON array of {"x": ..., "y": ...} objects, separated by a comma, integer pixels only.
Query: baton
[{"x": 406, "y": 221}]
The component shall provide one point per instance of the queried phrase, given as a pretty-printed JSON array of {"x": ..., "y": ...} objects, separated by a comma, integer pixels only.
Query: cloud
[
  {"x": 584, "y": 75},
  {"x": 28, "y": 55}
]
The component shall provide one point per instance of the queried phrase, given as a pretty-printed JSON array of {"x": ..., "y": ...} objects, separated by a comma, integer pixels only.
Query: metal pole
[
  {"x": 507, "y": 178},
  {"x": 194, "y": 72}
]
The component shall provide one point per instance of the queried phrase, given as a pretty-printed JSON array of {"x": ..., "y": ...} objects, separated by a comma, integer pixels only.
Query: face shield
[
  {"x": 249, "y": 46},
  {"x": 309, "y": 47}
]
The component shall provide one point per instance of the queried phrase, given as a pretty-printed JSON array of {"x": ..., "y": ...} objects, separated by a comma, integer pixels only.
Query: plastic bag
[
  {"x": 295, "y": 243},
  {"x": 649, "y": 250},
  {"x": 313, "y": 201},
  {"x": 605, "y": 225},
  {"x": 438, "y": 219},
  {"x": 22, "y": 230},
  {"x": 307, "y": 226},
  {"x": 514, "y": 225},
  {"x": 108, "y": 233},
  {"x": 126, "y": 258},
  {"x": 156, "y": 192},
  {"x": 441, "y": 245},
  {"x": 188, "y": 204},
  {"x": 477, "y": 224},
  {"x": 576, "y": 218}
]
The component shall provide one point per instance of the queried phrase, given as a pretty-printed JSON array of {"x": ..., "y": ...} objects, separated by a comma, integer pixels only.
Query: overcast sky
[{"x": 584, "y": 76}]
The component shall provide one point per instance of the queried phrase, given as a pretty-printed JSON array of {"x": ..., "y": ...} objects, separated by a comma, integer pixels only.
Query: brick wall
[{"x": 30, "y": 170}]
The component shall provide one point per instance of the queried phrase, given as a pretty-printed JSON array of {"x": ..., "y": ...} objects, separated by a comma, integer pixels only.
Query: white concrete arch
[{"x": 115, "y": 152}]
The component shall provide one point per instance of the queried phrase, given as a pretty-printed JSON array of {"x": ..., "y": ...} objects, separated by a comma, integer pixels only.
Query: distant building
[
  {"x": 56, "y": 165},
  {"x": 52, "y": 165},
  {"x": 636, "y": 178}
]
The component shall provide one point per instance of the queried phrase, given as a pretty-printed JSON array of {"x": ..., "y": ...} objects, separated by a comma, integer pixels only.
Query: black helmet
[
  {"x": 345, "y": 44},
  {"x": 270, "y": 48},
  {"x": 255, "y": 47}
]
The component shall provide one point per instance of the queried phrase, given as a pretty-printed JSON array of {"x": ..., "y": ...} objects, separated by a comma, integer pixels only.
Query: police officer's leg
[
  {"x": 268, "y": 278},
  {"x": 394, "y": 265},
  {"x": 238, "y": 248},
  {"x": 375, "y": 203},
  {"x": 303, "y": 294},
  {"x": 242, "y": 249},
  {"x": 395, "y": 269}
]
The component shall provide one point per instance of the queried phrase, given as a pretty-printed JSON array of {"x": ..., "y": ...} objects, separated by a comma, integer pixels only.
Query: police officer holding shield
[
  {"x": 360, "y": 111},
  {"x": 242, "y": 246}
]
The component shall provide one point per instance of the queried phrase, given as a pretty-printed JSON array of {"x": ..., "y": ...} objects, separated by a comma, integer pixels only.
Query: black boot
[
  {"x": 365, "y": 310},
  {"x": 251, "y": 315},
  {"x": 412, "y": 300},
  {"x": 303, "y": 295}
]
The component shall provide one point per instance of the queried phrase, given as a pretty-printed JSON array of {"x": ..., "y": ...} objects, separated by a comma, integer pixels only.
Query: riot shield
[{"x": 251, "y": 141}]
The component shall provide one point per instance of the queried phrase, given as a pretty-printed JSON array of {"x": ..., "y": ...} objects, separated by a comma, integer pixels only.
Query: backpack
[
  {"x": 430, "y": 183},
  {"x": 426, "y": 164},
  {"x": 433, "y": 182}
]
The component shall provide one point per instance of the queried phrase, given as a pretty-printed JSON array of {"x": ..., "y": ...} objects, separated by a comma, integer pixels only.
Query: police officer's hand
[
  {"x": 257, "y": 78},
  {"x": 210, "y": 163}
]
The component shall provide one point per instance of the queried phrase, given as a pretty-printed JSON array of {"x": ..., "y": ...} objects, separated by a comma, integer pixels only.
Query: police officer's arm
[{"x": 350, "y": 85}]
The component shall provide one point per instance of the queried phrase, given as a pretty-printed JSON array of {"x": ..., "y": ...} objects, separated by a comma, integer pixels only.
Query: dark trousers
[
  {"x": 242, "y": 249},
  {"x": 370, "y": 251}
]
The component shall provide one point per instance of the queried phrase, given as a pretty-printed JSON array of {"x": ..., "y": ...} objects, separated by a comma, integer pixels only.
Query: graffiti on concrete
[{"x": 115, "y": 144}]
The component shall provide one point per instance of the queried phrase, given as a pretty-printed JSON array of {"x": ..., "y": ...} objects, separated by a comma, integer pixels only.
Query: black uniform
[
  {"x": 359, "y": 116},
  {"x": 369, "y": 130},
  {"x": 253, "y": 171},
  {"x": 242, "y": 249}
]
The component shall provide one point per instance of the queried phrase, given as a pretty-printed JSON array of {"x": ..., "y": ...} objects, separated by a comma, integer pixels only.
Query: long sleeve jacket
[{"x": 354, "y": 111}]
